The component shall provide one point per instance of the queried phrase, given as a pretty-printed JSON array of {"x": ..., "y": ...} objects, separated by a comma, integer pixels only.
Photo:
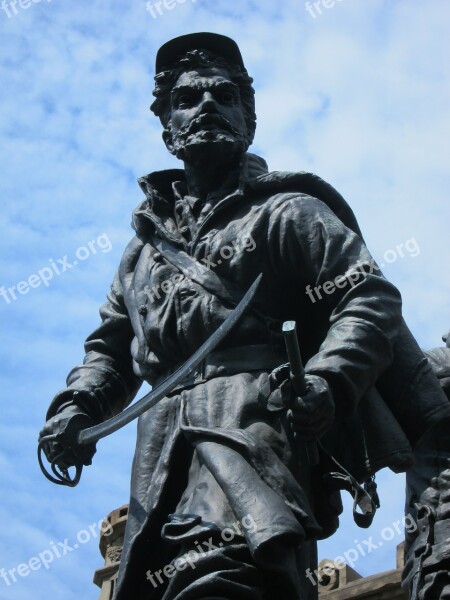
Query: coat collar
[
  {"x": 159, "y": 184},
  {"x": 158, "y": 188},
  {"x": 157, "y": 211}
]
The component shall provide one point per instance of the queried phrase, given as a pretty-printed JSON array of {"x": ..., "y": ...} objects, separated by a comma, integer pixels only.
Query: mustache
[{"x": 197, "y": 124}]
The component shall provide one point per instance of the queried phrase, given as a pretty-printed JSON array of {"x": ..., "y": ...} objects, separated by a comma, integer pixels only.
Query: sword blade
[{"x": 93, "y": 434}]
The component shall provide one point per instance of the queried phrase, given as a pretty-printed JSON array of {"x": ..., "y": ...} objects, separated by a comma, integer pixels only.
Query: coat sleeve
[
  {"x": 332, "y": 265},
  {"x": 105, "y": 383}
]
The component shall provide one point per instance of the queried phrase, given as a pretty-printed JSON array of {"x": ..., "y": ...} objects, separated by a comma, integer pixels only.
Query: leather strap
[
  {"x": 365, "y": 498},
  {"x": 230, "y": 361},
  {"x": 191, "y": 268}
]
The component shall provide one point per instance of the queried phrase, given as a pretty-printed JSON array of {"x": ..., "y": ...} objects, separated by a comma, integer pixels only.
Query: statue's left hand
[{"x": 312, "y": 414}]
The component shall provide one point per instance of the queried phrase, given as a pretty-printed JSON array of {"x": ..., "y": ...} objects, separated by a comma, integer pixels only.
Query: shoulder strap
[
  {"x": 220, "y": 287},
  {"x": 191, "y": 268},
  {"x": 363, "y": 497}
]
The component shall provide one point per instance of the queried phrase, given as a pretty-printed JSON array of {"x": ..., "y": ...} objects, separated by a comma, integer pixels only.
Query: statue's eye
[
  {"x": 228, "y": 97},
  {"x": 185, "y": 100}
]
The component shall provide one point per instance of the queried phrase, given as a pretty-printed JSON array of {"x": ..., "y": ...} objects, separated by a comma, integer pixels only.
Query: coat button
[
  {"x": 157, "y": 257},
  {"x": 142, "y": 310}
]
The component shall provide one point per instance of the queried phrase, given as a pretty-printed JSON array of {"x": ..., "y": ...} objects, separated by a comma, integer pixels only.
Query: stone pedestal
[
  {"x": 111, "y": 549},
  {"x": 336, "y": 582}
]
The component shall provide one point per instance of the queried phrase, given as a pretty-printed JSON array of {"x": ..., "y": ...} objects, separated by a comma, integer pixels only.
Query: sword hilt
[
  {"x": 69, "y": 452},
  {"x": 298, "y": 378}
]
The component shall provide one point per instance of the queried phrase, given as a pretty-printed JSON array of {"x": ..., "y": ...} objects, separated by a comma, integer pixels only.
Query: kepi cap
[{"x": 219, "y": 44}]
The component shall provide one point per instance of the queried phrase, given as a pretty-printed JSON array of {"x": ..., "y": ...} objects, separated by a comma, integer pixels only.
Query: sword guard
[
  {"x": 69, "y": 453},
  {"x": 59, "y": 470}
]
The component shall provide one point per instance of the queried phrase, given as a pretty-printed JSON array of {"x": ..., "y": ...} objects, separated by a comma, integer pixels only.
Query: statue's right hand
[{"x": 64, "y": 449}]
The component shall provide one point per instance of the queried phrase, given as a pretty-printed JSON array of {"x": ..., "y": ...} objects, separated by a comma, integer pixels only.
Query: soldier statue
[{"x": 238, "y": 468}]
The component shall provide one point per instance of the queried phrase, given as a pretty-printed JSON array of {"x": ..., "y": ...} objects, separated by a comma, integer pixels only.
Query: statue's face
[{"x": 207, "y": 117}]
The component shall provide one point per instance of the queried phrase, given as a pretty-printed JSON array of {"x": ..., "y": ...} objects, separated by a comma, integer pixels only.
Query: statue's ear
[{"x": 167, "y": 137}]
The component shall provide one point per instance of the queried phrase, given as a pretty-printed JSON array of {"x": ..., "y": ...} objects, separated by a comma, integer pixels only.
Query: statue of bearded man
[{"x": 224, "y": 501}]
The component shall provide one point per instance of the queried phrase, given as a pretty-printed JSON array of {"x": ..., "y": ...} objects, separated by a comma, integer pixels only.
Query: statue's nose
[{"x": 208, "y": 103}]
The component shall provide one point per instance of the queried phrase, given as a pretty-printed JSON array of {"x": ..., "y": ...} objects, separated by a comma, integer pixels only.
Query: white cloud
[{"x": 358, "y": 95}]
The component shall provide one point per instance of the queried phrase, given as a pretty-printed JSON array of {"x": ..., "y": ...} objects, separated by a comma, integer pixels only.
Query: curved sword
[
  {"x": 91, "y": 435},
  {"x": 95, "y": 433}
]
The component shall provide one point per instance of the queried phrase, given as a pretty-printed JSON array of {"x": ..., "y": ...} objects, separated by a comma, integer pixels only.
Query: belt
[{"x": 230, "y": 361}]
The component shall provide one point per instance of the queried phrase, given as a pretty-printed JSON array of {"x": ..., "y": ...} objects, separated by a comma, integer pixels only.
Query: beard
[{"x": 208, "y": 136}]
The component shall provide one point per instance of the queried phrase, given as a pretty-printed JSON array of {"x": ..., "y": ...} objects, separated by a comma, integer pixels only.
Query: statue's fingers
[
  {"x": 311, "y": 412},
  {"x": 305, "y": 405},
  {"x": 46, "y": 430},
  {"x": 52, "y": 450}
]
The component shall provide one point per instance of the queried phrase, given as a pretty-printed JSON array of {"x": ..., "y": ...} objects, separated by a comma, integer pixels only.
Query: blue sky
[{"x": 358, "y": 94}]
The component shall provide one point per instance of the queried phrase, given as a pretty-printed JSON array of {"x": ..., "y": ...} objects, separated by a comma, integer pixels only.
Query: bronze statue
[
  {"x": 230, "y": 449},
  {"x": 427, "y": 569}
]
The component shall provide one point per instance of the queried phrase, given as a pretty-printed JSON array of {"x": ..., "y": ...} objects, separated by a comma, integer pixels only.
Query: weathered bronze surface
[
  {"x": 427, "y": 568},
  {"x": 224, "y": 502}
]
